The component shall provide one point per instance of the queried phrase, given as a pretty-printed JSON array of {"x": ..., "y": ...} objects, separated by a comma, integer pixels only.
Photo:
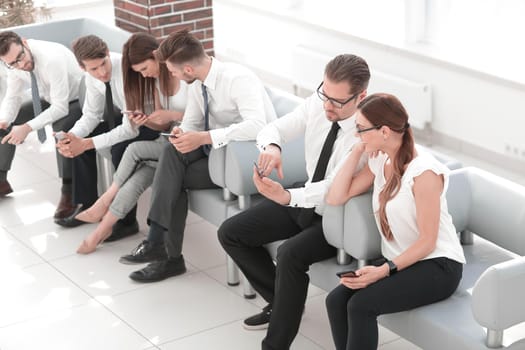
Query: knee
[
  {"x": 289, "y": 256},
  {"x": 226, "y": 232},
  {"x": 359, "y": 307}
]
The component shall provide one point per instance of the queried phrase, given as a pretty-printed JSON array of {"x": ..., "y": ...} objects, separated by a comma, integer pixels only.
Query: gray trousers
[
  {"x": 7, "y": 151},
  {"x": 176, "y": 172},
  {"x": 135, "y": 174}
]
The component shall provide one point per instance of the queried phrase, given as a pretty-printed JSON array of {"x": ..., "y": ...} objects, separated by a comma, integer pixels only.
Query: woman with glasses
[
  {"x": 419, "y": 242},
  {"x": 155, "y": 99}
]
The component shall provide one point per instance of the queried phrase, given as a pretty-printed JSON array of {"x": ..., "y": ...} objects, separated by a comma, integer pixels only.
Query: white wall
[{"x": 478, "y": 111}]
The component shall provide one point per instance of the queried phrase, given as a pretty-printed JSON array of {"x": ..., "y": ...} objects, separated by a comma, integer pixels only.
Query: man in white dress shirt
[
  {"x": 101, "y": 128},
  {"x": 326, "y": 120},
  {"x": 226, "y": 102},
  {"x": 53, "y": 68}
]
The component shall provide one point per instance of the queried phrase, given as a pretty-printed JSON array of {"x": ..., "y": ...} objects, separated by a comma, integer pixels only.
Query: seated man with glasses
[
  {"x": 51, "y": 71},
  {"x": 327, "y": 122}
]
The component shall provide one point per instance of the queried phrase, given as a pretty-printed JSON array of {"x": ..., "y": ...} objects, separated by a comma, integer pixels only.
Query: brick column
[{"x": 162, "y": 17}]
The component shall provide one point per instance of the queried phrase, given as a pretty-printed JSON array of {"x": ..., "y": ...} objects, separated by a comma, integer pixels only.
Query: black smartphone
[
  {"x": 349, "y": 273},
  {"x": 167, "y": 134},
  {"x": 258, "y": 170}
]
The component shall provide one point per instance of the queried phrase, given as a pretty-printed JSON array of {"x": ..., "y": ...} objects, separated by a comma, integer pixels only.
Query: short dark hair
[
  {"x": 181, "y": 47},
  {"x": 89, "y": 47},
  {"x": 350, "y": 68},
  {"x": 6, "y": 39}
]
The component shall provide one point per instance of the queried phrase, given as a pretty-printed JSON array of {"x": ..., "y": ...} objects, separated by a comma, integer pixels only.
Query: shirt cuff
[
  {"x": 35, "y": 124},
  {"x": 101, "y": 141},
  {"x": 218, "y": 138},
  {"x": 297, "y": 197}
]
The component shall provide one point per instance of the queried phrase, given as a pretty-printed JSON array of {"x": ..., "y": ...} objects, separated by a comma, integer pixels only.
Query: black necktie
[
  {"x": 306, "y": 215},
  {"x": 37, "y": 106},
  {"x": 109, "y": 110},
  {"x": 206, "y": 148}
]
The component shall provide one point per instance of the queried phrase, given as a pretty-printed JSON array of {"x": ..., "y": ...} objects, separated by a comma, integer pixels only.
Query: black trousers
[
  {"x": 284, "y": 285},
  {"x": 353, "y": 313},
  {"x": 7, "y": 151},
  {"x": 176, "y": 172},
  {"x": 85, "y": 168}
]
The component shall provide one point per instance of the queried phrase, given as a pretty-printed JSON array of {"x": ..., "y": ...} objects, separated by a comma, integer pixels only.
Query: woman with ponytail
[
  {"x": 423, "y": 257},
  {"x": 157, "y": 100}
]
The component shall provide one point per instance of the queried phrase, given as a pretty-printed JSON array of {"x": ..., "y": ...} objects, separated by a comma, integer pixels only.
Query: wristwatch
[{"x": 392, "y": 267}]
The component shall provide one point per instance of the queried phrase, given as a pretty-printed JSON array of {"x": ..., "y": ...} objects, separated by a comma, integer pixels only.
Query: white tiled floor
[{"x": 52, "y": 298}]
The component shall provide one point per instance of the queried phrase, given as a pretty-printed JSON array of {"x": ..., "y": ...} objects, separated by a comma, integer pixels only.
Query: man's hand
[
  {"x": 270, "y": 159},
  {"x": 71, "y": 145},
  {"x": 271, "y": 189},
  {"x": 17, "y": 135},
  {"x": 188, "y": 141}
]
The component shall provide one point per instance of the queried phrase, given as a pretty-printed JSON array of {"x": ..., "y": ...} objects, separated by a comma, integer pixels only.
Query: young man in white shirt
[
  {"x": 226, "y": 102},
  {"x": 326, "y": 120},
  {"x": 57, "y": 78},
  {"x": 101, "y": 128}
]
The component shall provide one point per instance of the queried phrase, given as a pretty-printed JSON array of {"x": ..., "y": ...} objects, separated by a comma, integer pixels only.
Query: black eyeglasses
[
  {"x": 360, "y": 131},
  {"x": 334, "y": 102},
  {"x": 19, "y": 59}
]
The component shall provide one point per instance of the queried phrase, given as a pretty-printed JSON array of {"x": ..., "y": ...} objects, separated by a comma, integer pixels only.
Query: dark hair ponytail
[{"x": 387, "y": 110}]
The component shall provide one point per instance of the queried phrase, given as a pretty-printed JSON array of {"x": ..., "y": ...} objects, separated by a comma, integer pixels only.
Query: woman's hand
[
  {"x": 137, "y": 118},
  {"x": 366, "y": 276}
]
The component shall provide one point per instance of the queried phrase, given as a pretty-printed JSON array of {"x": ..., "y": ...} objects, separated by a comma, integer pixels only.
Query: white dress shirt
[
  {"x": 94, "y": 105},
  {"x": 309, "y": 119},
  {"x": 58, "y": 77},
  {"x": 239, "y": 106}
]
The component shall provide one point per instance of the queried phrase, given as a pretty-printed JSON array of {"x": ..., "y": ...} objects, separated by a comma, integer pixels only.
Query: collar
[
  {"x": 347, "y": 125},
  {"x": 211, "y": 79}
]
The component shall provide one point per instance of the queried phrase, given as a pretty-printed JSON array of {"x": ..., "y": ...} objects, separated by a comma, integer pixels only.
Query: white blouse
[
  {"x": 175, "y": 102},
  {"x": 401, "y": 210}
]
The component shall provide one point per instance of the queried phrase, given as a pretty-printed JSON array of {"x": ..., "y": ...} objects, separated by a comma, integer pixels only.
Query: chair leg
[
  {"x": 494, "y": 338},
  {"x": 248, "y": 291},
  {"x": 361, "y": 263},
  {"x": 342, "y": 257},
  {"x": 232, "y": 272}
]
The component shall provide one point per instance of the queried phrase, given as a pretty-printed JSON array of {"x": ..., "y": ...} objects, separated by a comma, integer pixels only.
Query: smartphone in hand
[
  {"x": 259, "y": 171},
  {"x": 167, "y": 134},
  {"x": 349, "y": 273},
  {"x": 60, "y": 135}
]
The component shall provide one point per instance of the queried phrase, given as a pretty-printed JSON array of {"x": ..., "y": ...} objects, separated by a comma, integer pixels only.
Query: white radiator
[{"x": 307, "y": 73}]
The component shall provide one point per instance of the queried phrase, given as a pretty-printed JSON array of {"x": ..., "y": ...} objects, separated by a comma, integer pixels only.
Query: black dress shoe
[
  {"x": 65, "y": 207},
  {"x": 5, "y": 188},
  {"x": 145, "y": 252},
  {"x": 121, "y": 230},
  {"x": 70, "y": 220},
  {"x": 160, "y": 270}
]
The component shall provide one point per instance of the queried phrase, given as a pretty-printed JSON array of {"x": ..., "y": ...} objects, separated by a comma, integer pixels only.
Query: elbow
[{"x": 335, "y": 200}]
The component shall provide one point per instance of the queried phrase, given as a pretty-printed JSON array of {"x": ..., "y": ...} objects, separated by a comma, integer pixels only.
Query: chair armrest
[
  {"x": 240, "y": 156},
  {"x": 217, "y": 166},
  {"x": 362, "y": 239},
  {"x": 333, "y": 225},
  {"x": 497, "y": 296}
]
